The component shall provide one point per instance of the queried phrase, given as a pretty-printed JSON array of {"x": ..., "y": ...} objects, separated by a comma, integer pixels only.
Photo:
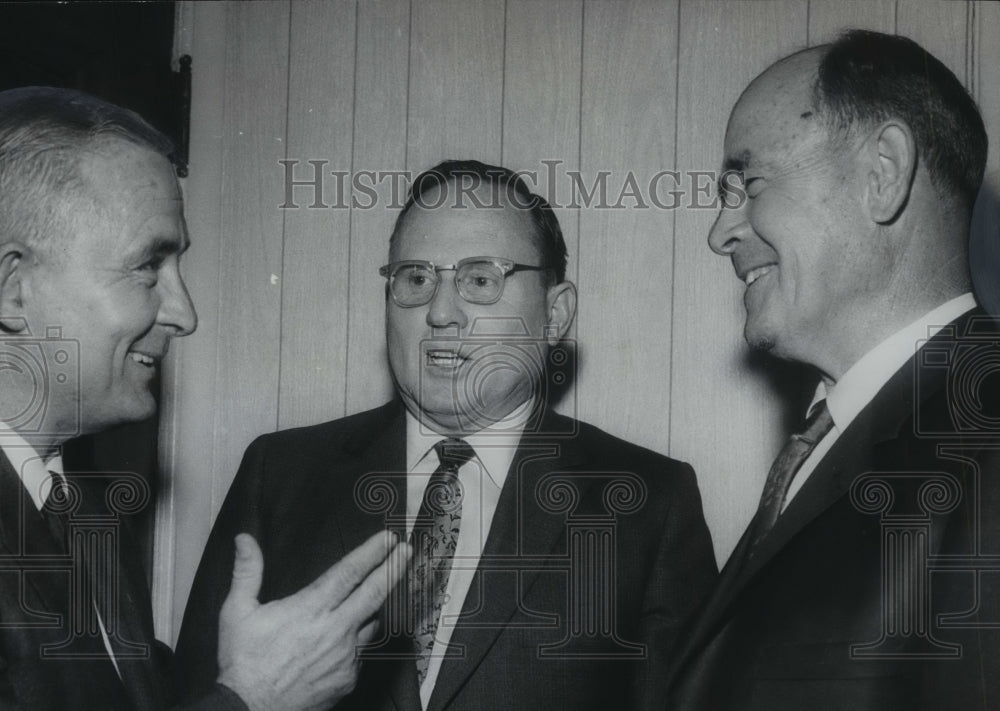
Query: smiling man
[
  {"x": 91, "y": 236},
  {"x": 553, "y": 563},
  {"x": 868, "y": 578}
]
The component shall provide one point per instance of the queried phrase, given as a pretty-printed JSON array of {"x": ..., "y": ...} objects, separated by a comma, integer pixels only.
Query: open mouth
[
  {"x": 445, "y": 358},
  {"x": 756, "y": 273},
  {"x": 143, "y": 358}
]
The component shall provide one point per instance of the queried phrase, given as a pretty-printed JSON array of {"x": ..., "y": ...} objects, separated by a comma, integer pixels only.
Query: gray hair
[{"x": 43, "y": 133}]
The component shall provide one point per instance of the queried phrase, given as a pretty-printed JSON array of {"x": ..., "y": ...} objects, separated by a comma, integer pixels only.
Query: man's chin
[
  {"x": 138, "y": 409},
  {"x": 453, "y": 422},
  {"x": 759, "y": 339}
]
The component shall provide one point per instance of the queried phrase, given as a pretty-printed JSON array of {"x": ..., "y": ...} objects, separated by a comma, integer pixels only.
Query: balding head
[{"x": 850, "y": 228}]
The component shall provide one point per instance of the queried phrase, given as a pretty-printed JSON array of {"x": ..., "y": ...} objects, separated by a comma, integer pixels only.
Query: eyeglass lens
[{"x": 477, "y": 282}]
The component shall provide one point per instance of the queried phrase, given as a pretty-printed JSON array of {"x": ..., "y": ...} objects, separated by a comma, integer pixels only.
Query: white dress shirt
[
  {"x": 38, "y": 477},
  {"x": 859, "y": 385},
  {"x": 482, "y": 478}
]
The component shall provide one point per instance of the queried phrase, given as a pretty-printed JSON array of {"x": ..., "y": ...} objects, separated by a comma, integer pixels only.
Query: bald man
[{"x": 851, "y": 172}]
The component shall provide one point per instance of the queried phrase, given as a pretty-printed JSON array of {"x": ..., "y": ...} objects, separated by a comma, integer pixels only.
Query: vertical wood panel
[
  {"x": 456, "y": 81},
  {"x": 625, "y": 263},
  {"x": 226, "y": 373},
  {"x": 541, "y": 103},
  {"x": 379, "y": 145},
  {"x": 600, "y": 85},
  {"x": 827, "y": 19},
  {"x": 726, "y": 417},
  {"x": 185, "y": 509},
  {"x": 314, "y": 280},
  {"x": 940, "y": 26},
  {"x": 249, "y": 290}
]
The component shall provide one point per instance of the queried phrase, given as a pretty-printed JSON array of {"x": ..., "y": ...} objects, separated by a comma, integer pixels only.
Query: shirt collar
[
  {"x": 862, "y": 381},
  {"x": 494, "y": 445},
  {"x": 35, "y": 472}
]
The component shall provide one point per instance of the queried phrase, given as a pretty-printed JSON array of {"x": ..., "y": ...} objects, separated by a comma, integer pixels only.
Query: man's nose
[
  {"x": 447, "y": 308},
  {"x": 176, "y": 309},
  {"x": 729, "y": 229}
]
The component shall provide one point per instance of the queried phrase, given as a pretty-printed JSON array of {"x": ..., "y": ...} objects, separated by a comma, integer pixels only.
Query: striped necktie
[{"x": 790, "y": 459}]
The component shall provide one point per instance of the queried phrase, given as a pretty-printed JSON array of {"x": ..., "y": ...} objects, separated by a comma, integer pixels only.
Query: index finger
[
  {"x": 333, "y": 586},
  {"x": 368, "y": 597}
]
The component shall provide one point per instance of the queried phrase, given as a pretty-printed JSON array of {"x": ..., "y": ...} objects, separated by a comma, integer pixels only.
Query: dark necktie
[
  {"x": 87, "y": 641},
  {"x": 435, "y": 535},
  {"x": 789, "y": 460},
  {"x": 54, "y": 512}
]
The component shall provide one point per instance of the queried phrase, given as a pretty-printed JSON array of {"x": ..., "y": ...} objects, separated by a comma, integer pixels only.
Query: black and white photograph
[{"x": 447, "y": 355}]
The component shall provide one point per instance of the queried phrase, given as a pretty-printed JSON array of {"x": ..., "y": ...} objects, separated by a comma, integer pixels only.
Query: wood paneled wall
[{"x": 290, "y": 303}]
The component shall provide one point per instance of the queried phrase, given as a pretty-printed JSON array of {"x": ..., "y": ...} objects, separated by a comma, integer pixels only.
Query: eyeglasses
[{"x": 479, "y": 280}]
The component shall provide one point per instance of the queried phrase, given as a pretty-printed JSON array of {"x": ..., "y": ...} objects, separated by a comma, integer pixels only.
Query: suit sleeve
[
  {"x": 681, "y": 578},
  {"x": 196, "y": 663}
]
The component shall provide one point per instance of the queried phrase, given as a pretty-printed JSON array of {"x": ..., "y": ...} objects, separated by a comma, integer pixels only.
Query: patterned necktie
[
  {"x": 435, "y": 535},
  {"x": 789, "y": 460}
]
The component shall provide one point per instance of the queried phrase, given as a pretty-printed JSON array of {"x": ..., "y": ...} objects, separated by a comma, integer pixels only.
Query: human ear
[
  {"x": 891, "y": 154},
  {"x": 561, "y": 304},
  {"x": 11, "y": 305}
]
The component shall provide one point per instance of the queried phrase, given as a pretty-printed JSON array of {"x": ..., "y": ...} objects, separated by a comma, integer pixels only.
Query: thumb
[{"x": 248, "y": 572}]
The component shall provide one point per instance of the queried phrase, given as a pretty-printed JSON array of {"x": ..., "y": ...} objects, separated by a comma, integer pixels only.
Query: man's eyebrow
[
  {"x": 163, "y": 247},
  {"x": 737, "y": 162},
  {"x": 732, "y": 164}
]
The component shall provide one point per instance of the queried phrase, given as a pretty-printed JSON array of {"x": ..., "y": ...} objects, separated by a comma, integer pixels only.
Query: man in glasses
[{"x": 553, "y": 563}]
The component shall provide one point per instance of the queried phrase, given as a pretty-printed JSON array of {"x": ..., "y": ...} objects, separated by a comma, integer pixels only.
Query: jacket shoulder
[
  {"x": 345, "y": 434},
  {"x": 602, "y": 445}
]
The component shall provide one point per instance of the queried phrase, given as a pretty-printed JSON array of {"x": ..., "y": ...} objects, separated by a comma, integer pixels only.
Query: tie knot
[
  {"x": 61, "y": 497},
  {"x": 453, "y": 453},
  {"x": 818, "y": 424}
]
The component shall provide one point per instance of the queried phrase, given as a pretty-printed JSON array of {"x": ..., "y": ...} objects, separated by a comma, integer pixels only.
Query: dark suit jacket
[
  {"x": 841, "y": 605},
  {"x": 306, "y": 495},
  {"x": 35, "y": 584}
]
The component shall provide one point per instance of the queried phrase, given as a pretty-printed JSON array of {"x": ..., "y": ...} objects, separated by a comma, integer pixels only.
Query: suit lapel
[
  {"x": 370, "y": 490},
  {"x": 131, "y": 633},
  {"x": 376, "y": 467},
  {"x": 880, "y": 421},
  {"x": 520, "y": 528},
  {"x": 24, "y": 535},
  {"x": 141, "y": 675}
]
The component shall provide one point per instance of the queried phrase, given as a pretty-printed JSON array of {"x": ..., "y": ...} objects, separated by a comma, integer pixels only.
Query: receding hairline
[
  {"x": 530, "y": 230},
  {"x": 45, "y": 133},
  {"x": 801, "y": 67}
]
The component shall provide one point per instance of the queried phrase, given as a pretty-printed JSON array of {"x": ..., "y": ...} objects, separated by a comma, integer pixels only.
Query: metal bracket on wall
[{"x": 183, "y": 93}]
